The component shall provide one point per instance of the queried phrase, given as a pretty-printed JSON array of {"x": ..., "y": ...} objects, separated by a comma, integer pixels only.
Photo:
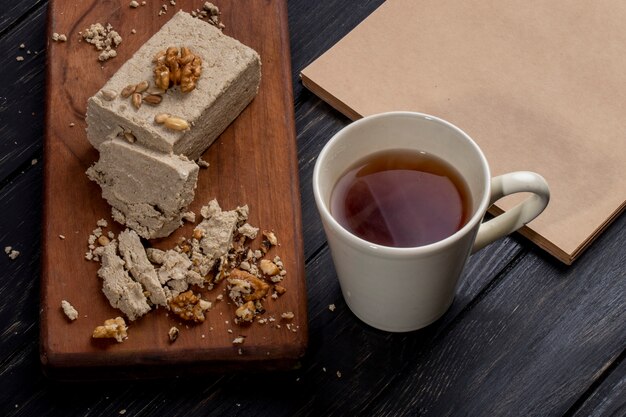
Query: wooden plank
[
  {"x": 608, "y": 398},
  {"x": 367, "y": 359},
  {"x": 310, "y": 148},
  {"x": 20, "y": 205},
  {"x": 260, "y": 142},
  {"x": 309, "y": 389},
  {"x": 316, "y": 122},
  {"x": 18, "y": 286},
  {"x": 20, "y": 110},
  {"x": 316, "y": 26},
  {"x": 531, "y": 346},
  {"x": 13, "y": 12},
  {"x": 341, "y": 342}
]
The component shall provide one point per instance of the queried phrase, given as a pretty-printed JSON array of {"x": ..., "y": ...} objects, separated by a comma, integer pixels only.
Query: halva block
[
  {"x": 230, "y": 78},
  {"x": 148, "y": 191}
]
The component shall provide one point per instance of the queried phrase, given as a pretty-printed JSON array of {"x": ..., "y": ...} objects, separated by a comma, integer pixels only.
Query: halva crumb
[
  {"x": 202, "y": 163},
  {"x": 104, "y": 39},
  {"x": 11, "y": 253},
  {"x": 173, "y": 333},
  {"x": 59, "y": 37},
  {"x": 288, "y": 315},
  {"x": 69, "y": 310}
]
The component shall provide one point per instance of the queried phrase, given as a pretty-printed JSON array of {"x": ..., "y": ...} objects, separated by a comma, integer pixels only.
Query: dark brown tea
[{"x": 401, "y": 198}]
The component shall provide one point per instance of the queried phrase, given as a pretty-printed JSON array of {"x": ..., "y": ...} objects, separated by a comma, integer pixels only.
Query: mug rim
[{"x": 392, "y": 250}]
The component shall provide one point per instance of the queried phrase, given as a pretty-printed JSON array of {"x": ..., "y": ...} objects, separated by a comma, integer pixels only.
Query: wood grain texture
[
  {"x": 19, "y": 284},
  {"x": 21, "y": 104},
  {"x": 13, "y": 12},
  {"x": 245, "y": 168},
  {"x": 608, "y": 398},
  {"x": 556, "y": 352},
  {"x": 374, "y": 359},
  {"x": 315, "y": 27},
  {"x": 533, "y": 344}
]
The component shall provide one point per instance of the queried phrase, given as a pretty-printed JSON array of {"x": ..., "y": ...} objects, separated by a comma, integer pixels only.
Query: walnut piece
[
  {"x": 246, "y": 287},
  {"x": 268, "y": 267},
  {"x": 246, "y": 312},
  {"x": 104, "y": 39},
  {"x": 270, "y": 237},
  {"x": 177, "y": 68},
  {"x": 191, "y": 70},
  {"x": 112, "y": 328},
  {"x": 190, "y": 307}
]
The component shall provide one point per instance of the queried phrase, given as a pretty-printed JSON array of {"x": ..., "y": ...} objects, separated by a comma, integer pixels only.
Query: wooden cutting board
[{"x": 253, "y": 162}]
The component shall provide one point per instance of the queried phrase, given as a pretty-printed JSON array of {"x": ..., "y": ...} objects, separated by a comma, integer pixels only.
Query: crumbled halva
[
  {"x": 213, "y": 238},
  {"x": 11, "y": 253},
  {"x": 122, "y": 292},
  {"x": 175, "y": 272},
  {"x": 69, "y": 310},
  {"x": 210, "y": 209},
  {"x": 217, "y": 231},
  {"x": 230, "y": 79},
  {"x": 248, "y": 231},
  {"x": 148, "y": 191},
  {"x": 133, "y": 273},
  {"x": 137, "y": 263},
  {"x": 104, "y": 39},
  {"x": 172, "y": 333}
]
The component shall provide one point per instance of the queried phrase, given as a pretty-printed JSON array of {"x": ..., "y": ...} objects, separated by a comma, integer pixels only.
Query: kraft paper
[{"x": 539, "y": 85}]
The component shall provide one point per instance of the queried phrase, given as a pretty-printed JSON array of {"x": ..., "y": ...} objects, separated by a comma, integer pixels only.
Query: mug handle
[{"x": 518, "y": 216}]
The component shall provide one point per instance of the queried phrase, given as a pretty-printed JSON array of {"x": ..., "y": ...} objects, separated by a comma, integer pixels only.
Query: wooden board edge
[
  {"x": 293, "y": 157},
  {"x": 44, "y": 347}
]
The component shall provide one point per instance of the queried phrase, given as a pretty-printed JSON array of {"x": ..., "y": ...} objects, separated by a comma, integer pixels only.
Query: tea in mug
[{"x": 401, "y": 198}]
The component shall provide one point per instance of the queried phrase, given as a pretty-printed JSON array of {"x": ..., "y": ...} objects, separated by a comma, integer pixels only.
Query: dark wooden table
[{"x": 526, "y": 335}]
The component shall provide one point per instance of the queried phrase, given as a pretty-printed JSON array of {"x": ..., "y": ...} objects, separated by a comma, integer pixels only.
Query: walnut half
[{"x": 174, "y": 68}]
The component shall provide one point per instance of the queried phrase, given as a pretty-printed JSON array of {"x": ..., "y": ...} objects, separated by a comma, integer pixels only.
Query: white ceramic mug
[{"x": 404, "y": 289}]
